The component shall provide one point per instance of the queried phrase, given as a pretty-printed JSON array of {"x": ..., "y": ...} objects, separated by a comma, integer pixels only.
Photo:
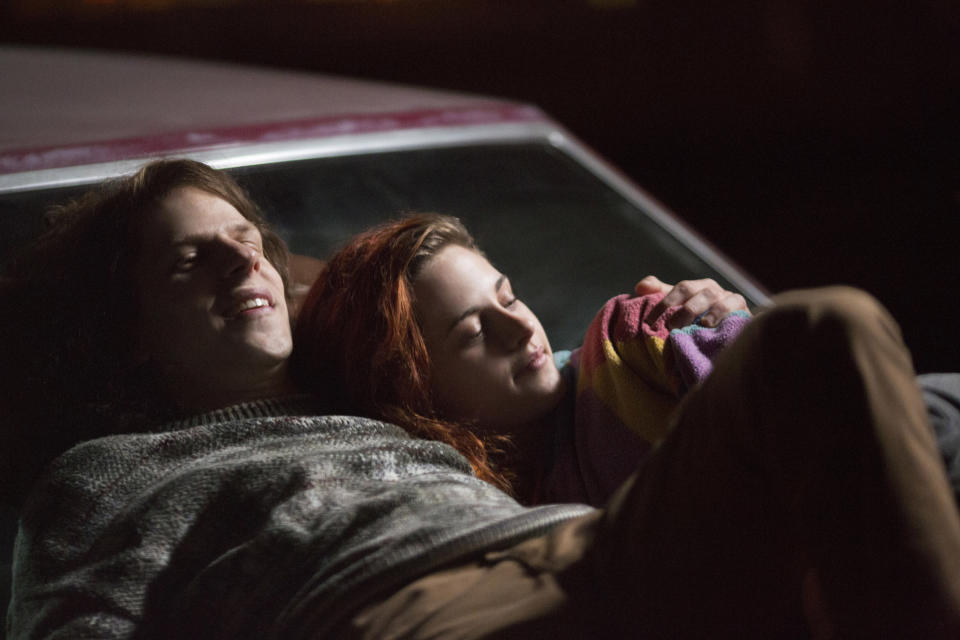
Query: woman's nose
[{"x": 516, "y": 329}]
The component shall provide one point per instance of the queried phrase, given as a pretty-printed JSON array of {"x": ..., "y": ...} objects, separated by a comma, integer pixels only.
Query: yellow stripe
[{"x": 638, "y": 393}]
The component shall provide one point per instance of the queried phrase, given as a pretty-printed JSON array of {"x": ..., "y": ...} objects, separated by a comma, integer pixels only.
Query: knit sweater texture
[
  {"x": 263, "y": 520},
  {"x": 626, "y": 383}
]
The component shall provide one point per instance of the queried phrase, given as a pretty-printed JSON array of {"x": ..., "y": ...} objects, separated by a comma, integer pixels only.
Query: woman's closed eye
[
  {"x": 506, "y": 295},
  {"x": 474, "y": 332},
  {"x": 473, "y": 329}
]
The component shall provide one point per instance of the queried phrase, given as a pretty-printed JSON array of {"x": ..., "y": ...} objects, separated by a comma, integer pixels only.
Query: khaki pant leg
[
  {"x": 808, "y": 446},
  {"x": 506, "y": 595}
]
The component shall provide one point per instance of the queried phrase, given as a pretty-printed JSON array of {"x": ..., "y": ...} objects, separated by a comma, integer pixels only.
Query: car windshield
[{"x": 566, "y": 238}]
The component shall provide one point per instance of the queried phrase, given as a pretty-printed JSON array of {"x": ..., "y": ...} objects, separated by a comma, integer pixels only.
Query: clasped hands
[{"x": 701, "y": 301}]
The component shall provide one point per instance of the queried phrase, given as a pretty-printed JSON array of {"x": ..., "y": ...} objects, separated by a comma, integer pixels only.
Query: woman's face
[{"x": 491, "y": 362}]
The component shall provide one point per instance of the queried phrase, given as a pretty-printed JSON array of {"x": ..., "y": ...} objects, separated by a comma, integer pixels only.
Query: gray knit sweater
[{"x": 257, "y": 521}]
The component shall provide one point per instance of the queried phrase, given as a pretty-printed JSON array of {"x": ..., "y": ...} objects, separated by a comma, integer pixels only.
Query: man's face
[
  {"x": 491, "y": 361},
  {"x": 212, "y": 311}
]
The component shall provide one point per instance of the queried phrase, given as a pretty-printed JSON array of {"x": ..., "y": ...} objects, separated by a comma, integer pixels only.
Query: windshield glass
[{"x": 567, "y": 239}]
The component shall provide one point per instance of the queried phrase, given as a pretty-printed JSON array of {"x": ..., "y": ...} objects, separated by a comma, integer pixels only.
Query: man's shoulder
[{"x": 137, "y": 458}]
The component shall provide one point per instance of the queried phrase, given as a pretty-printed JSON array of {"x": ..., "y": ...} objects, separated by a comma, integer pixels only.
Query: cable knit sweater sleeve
[{"x": 259, "y": 521}]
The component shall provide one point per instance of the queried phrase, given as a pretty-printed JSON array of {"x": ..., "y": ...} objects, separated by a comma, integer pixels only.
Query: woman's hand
[{"x": 702, "y": 301}]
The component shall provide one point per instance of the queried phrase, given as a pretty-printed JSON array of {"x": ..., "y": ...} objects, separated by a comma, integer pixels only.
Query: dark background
[{"x": 813, "y": 142}]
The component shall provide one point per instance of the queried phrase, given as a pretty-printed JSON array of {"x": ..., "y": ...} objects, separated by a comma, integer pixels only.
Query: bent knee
[
  {"x": 855, "y": 310},
  {"x": 839, "y": 301}
]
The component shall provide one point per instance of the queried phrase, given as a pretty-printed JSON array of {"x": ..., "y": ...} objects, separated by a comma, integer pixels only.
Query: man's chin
[{"x": 271, "y": 347}]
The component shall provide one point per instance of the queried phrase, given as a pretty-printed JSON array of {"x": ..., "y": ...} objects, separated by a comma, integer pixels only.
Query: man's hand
[{"x": 702, "y": 301}]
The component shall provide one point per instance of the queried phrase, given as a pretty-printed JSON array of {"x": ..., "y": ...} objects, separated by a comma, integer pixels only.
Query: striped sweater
[{"x": 626, "y": 380}]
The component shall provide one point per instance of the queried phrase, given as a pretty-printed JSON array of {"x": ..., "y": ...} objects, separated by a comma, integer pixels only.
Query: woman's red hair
[{"x": 357, "y": 340}]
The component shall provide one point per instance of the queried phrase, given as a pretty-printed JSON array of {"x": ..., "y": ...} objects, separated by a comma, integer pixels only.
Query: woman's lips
[{"x": 536, "y": 361}]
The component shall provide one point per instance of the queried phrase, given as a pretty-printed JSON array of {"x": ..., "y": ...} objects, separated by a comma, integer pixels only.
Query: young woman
[
  {"x": 773, "y": 492},
  {"x": 410, "y": 323}
]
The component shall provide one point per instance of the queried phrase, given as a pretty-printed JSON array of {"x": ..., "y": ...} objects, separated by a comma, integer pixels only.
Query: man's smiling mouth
[{"x": 246, "y": 305}]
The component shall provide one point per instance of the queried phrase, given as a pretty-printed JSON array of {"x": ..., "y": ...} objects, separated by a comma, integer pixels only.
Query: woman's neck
[{"x": 526, "y": 456}]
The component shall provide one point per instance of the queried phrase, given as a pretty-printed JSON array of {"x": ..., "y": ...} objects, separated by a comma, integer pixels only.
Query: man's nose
[{"x": 238, "y": 258}]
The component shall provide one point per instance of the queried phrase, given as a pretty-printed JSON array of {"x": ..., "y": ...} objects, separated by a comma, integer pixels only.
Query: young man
[{"x": 224, "y": 506}]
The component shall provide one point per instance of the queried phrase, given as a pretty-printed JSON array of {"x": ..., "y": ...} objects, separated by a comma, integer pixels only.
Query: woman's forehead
[
  {"x": 457, "y": 267},
  {"x": 455, "y": 281}
]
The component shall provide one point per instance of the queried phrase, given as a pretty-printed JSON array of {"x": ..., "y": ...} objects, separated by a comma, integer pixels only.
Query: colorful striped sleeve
[{"x": 634, "y": 370}]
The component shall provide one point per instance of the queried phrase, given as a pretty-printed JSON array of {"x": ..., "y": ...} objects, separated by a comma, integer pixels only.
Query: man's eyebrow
[{"x": 472, "y": 310}]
